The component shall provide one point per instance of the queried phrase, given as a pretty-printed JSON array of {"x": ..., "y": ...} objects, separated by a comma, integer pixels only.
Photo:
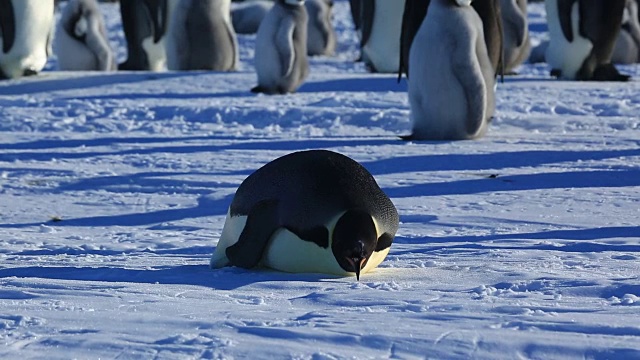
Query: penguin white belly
[
  {"x": 561, "y": 54},
  {"x": 231, "y": 231},
  {"x": 156, "y": 53},
  {"x": 287, "y": 252},
  {"x": 383, "y": 47},
  {"x": 34, "y": 25},
  {"x": 267, "y": 59}
]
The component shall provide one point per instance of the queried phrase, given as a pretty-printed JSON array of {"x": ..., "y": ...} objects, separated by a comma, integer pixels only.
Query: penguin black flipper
[
  {"x": 7, "y": 25},
  {"x": 356, "y": 6},
  {"x": 367, "y": 10},
  {"x": 384, "y": 241},
  {"x": 415, "y": 11},
  {"x": 564, "y": 14},
  {"x": 489, "y": 12},
  {"x": 262, "y": 222},
  {"x": 158, "y": 10}
]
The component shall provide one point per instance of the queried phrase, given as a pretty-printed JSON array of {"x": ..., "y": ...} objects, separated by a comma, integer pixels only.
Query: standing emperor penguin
[
  {"x": 582, "y": 36},
  {"x": 381, "y": 24},
  {"x": 144, "y": 23},
  {"x": 627, "y": 49},
  {"x": 321, "y": 37},
  {"x": 489, "y": 11},
  {"x": 451, "y": 88},
  {"x": 516, "y": 33},
  {"x": 26, "y": 31},
  {"x": 201, "y": 36},
  {"x": 247, "y": 16},
  {"x": 281, "y": 48},
  {"x": 81, "y": 42},
  {"x": 311, "y": 211}
]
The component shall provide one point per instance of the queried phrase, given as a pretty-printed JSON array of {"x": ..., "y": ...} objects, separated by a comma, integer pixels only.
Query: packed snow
[{"x": 114, "y": 188}]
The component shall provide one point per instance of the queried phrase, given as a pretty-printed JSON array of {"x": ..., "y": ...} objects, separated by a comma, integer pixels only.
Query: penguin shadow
[
  {"x": 196, "y": 275},
  {"x": 205, "y": 207},
  {"x": 587, "y": 240},
  {"x": 371, "y": 84},
  {"x": 61, "y": 81},
  {"x": 163, "y": 145}
]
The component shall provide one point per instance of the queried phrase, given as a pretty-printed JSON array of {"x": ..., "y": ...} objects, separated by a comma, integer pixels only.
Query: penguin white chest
[
  {"x": 383, "y": 48},
  {"x": 562, "y": 54},
  {"x": 267, "y": 58},
  {"x": 34, "y": 26}
]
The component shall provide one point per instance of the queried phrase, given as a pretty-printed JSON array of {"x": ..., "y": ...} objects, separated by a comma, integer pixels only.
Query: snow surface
[{"x": 114, "y": 187}]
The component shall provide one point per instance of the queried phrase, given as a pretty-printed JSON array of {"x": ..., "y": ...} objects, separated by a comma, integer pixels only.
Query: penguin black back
[{"x": 7, "y": 25}]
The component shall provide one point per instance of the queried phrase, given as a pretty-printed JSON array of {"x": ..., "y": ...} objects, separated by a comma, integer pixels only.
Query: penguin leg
[{"x": 262, "y": 222}]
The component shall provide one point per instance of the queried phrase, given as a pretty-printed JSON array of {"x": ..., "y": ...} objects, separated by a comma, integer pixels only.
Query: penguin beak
[{"x": 356, "y": 265}]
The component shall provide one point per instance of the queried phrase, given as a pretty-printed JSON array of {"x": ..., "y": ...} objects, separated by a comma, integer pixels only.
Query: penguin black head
[{"x": 354, "y": 239}]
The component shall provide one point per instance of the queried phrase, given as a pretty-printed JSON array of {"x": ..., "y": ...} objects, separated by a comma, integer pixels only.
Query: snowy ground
[{"x": 113, "y": 190}]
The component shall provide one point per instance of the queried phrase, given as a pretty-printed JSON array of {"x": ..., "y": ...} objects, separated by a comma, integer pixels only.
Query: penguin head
[{"x": 354, "y": 240}]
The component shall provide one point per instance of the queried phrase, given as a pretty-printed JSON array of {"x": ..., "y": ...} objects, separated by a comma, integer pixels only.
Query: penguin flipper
[
  {"x": 284, "y": 44},
  {"x": 516, "y": 21},
  {"x": 564, "y": 14},
  {"x": 470, "y": 76},
  {"x": 262, "y": 222},
  {"x": 158, "y": 16},
  {"x": 7, "y": 25},
  {"x": 384, "y": 242},
  {"x": 367, "y": 12},
  {"x": 96, "y": 39}
]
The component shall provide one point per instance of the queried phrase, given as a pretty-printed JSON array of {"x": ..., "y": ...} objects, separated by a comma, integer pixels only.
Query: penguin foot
[
  {"x": 264, "y": 90},
  {"x": 407, "y": 137},
  {"x": 258, "y": 89},
  {"x": 29, "y": 72},
  {"x": 608, "y": 72},
  {"x": 556, "y": 73}
]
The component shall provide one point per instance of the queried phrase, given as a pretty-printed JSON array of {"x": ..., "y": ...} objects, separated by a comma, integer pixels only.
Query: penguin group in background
[
  {"x": 201, "y": 36},
  {"x": 311, "y": 211},
  {"x": 321, "y": 37},
  {"x": 81, "y": 41},
  {"x": 489, "y": 11},
  {"x": 516, "y": 33},
  {"x": 381, "y": 23},
  {"x": 26, "y": 32},
  {"x": 281, "y": 48},
  {"x": 247, "y": 16},
  {"x": 451, "y": 87},
  {"x": 627, "y": 48},
  {"x": 582, "y": 38},
  {"x": 144, "y": 23}
]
